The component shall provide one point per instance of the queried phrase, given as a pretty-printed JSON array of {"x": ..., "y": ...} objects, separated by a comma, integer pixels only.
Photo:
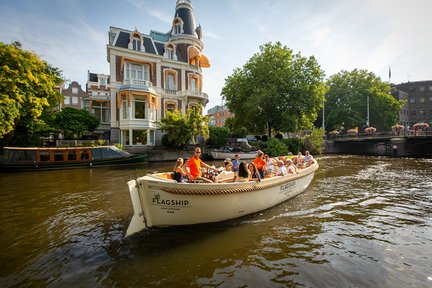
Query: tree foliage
[
  {"x": 346, "y": 101},
  {"x": 314, "y": 141},
  {"x": 218, "y": 136},
  {"x": 74, "y": 122},
  {"x": 276, "y": 89},
  {"x": 29, "y": 87},
  {"x": 182, "y": 128}
]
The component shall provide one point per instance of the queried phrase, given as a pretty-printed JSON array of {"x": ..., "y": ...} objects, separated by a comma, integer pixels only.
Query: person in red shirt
[
  {"x": 260, "y": 163},
  {"x": 194, "y": 164}
]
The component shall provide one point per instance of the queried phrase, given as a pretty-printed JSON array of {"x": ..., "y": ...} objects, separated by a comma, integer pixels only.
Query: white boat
[
  {"x": 223, "y": 154},
  {"x": 159, "y": 201}
]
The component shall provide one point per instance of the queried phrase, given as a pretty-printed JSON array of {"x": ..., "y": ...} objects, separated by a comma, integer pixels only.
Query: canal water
[{"x": 363, "y": 222}]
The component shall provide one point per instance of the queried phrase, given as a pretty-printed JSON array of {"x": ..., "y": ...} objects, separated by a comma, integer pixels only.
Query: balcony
[
  {"x": 136, "y": 84},
  {"x": 196, "y": 94}
]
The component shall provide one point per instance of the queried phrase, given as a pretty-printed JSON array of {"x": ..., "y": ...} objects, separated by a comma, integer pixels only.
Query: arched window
[
  {"x": 136, "y": 42},
  {"x": 170, "y": 106},
  {"x": 177, "y": 26},
  {"x": 193, "y": 85},
  {"x": 170, "y": 51}
]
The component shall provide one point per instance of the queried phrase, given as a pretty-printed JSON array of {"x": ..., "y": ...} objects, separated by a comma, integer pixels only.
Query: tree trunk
[{"x": 268, "y": 130}]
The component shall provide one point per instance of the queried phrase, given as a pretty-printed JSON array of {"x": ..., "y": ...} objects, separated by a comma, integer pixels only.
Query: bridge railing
[{"x": 404, "y": 133}]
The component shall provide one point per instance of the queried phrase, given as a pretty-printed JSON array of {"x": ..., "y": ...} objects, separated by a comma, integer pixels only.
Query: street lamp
[
  {"x": 367, "y": 117},
  {"x": 323, "y": 116}
]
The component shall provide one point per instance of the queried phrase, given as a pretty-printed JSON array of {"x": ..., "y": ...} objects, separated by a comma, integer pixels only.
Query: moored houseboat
[{"x": 41, "y": 158}]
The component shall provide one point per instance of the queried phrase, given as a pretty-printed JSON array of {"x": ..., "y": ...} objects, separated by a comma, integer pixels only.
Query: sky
[{"x": 377, "y": 35}]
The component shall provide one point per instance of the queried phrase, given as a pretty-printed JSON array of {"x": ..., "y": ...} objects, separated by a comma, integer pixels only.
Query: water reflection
[{"x": 364, "y": 221}]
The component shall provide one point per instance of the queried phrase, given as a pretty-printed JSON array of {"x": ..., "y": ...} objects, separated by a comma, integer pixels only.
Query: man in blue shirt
[{"x": 235, "y": 163}]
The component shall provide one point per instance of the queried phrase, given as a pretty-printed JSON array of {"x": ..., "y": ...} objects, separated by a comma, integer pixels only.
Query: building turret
[{"x": 186, "y": 36}]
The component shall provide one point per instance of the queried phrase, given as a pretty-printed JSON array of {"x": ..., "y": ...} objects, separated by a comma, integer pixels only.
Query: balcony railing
[
  {"x": 137, "y": 82},
  {"x": 170, "y": 92},
  {"x": 196, "y": 93}
]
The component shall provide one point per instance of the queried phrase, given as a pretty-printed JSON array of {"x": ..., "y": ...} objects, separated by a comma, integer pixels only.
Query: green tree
[
  {"x": 346, "y": 101},
  {"x": 314, "y": 141},
  {"x": 74, "y": 122},
  {"x": 217, "y": 136},
  {"x": 276, "y": 89},
  {"x": 29, "y": 88},
  {"x": 182, "y": 128},
  {"x": 274, "y": 147}
]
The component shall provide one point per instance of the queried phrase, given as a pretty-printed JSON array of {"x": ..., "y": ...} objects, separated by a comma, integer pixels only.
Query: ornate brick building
[{"x": 153, "y": 73}]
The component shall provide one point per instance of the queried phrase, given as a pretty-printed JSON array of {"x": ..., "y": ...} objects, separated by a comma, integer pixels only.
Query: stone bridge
[{"x": 382, "y": 145}]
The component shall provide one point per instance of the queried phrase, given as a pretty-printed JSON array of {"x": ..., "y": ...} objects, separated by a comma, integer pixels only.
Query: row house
[
  {"x": 73, "y": 95},
  {"x": 218, "y": 114},
  {"x": 153, "y": 73},
  {"x": 97, "y": 101}
]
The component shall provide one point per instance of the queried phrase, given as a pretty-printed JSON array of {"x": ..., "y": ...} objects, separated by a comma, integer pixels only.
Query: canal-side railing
[{"x": 379, "y": 135}]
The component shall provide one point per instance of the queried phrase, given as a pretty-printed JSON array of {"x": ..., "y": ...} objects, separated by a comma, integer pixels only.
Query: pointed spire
[{"x": 184, "y": 11}]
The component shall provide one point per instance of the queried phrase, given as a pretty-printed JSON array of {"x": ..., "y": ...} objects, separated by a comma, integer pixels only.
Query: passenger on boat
[
  {"x": 194, "y": 164},
  {"x": 228, "y": 165},
  {"x": 298, "y": 160},
  {"x": 291, "y": 168},
  {"x": 243, "y": 173},
  {"x": 270, "y": 167},
  {"x": 254, "y": 174},
  {"x": 235, "y": 163},
  {"x": 308, "y": 159},
  {"x": 281, "y": 169},
  {"x": 179, "y": 174},
  {"x": 260, "y": 163}
]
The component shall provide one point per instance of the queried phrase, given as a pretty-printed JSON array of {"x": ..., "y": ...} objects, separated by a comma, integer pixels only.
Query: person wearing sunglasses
[{"x": 194, "y": 164}]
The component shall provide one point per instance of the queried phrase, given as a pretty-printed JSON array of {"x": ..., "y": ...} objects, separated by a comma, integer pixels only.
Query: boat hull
[
  {"x": 219, "y": 155},
  {"x": 160, "y": 203}
]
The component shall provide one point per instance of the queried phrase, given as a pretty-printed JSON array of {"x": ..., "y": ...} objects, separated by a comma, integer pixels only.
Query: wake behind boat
[{"x": 159, "y": 201}]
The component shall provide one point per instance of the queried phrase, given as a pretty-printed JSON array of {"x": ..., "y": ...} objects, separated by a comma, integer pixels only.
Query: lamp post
[
  {"x": 367, "y": 117},
  {"x": 323, "y": 120}
]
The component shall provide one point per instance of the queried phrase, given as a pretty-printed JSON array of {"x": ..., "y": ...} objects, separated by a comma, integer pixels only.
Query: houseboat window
[
  {"x": 85, "y": 155},
  {"x": 72, "y": 156},
  {"x": 139, "y": 137},
  {"x": 139, "y": 108},
  {"x": 20, "y": 155},
  {"x": 44, "y": 156},
  {"x": 58, "y": 156}
]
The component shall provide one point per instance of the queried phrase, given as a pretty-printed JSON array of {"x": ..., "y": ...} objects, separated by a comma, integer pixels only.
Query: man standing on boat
[{"x": 194, "y": 164}]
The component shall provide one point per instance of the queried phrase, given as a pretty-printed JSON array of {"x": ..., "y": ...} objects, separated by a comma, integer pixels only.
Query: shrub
[
  {"x": 274, "y": 147},
  {"x": 119, "y": 146},
  {"x": 217, "y": 136},
  {"x": 314, "y": 141},
  {"x": 294, "y": 145}
]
